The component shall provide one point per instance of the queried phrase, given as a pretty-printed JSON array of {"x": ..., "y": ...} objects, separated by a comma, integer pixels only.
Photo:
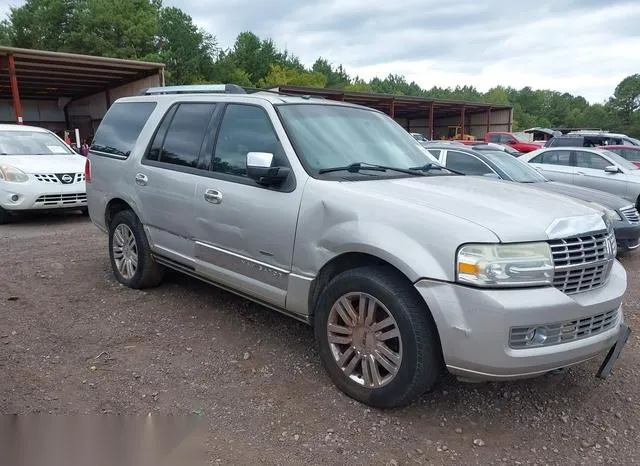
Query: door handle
[
  {"x": 213, "y": 196},
  {"x": 141, "y": 179}
]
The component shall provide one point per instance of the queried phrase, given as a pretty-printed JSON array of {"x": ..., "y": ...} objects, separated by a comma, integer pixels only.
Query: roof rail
[{"x": 196, "y": 89}]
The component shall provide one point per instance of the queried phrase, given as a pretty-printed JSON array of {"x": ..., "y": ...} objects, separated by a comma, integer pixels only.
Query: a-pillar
[{"x": 15, "y": 93}]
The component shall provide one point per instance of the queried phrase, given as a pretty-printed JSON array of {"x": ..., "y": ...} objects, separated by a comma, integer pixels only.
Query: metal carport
[{"x": 32, "y": 81}]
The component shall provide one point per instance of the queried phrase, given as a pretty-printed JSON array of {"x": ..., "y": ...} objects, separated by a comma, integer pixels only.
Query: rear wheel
[
  {"x": 376, "y": 338},
  {"x": 131, "y": 259},
  {"x": 84, "y": 211}
]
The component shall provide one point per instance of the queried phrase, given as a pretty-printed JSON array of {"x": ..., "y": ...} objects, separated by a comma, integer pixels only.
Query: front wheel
[
  {"x": 130, "y": 253},
  {"x": 375, "y": 337}
]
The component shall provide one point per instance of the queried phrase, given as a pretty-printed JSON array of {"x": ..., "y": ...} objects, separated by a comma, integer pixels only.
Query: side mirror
[
  {"x": 260, "y": 168},
  {"x": 612, "y": 169}
]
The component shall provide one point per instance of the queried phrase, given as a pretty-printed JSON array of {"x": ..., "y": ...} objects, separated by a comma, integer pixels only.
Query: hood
[
  {"x": 611, "y": 201},
  {"x": 45, "y": 164},
  {"x": 512, "y": 211}
]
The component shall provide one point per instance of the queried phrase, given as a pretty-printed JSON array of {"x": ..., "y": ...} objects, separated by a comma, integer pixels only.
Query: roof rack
[{"x": 196, "y": 89}]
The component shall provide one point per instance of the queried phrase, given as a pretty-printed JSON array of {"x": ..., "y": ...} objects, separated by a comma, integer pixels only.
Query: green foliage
[
  {"x": 292, "y": 76},
  {"x": 144, "y": 29}
]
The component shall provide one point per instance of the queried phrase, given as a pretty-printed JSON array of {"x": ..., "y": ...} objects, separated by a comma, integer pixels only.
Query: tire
[
  {"x": 4, "y": 216},
  {"x": 85, "y": 211},
  {"x": 126, "y": 229},
  {"x": 419, "y": 364}
]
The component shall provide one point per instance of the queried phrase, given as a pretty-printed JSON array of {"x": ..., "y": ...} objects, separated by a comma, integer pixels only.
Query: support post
[
  {"x": 488, "y": 119},
  {"x": 431, "y": 121},
  {"x": 392, "y": 108},
  {"x": 462, "y": 118},
  {"x": 15, "y": 93}
]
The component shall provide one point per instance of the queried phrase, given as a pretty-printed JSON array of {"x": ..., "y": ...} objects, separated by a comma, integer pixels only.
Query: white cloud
[{"x": 584, "y": 47}]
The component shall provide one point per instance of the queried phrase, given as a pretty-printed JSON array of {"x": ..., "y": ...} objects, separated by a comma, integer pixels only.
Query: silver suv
[{"x": 332, "y": 214}]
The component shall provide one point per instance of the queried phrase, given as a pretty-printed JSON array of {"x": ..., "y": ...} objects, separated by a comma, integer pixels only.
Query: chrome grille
[
  {"x": 60, "y": 199},
  {"x": 631, "y": 214},
  {"x": 582, "y": 263},
  {"x": 55, "y": 178},
  {"x": 47, "y": 178},
  {"x": 563, "y": 332}
]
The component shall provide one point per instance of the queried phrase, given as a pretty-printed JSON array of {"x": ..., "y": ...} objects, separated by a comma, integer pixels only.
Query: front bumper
[
  {"x": 627, "y": 235},
  {"x": 32, "y": 195},
  {"x": 475, "y": 325}
]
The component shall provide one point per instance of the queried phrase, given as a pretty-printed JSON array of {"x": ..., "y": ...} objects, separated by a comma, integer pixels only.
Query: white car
[{"x": 38, "y": 172}]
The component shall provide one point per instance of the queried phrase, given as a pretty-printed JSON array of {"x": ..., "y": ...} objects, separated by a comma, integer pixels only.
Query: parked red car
[
  {"x": 631, "y": 153},
  {"x": 512, "y": 140}
]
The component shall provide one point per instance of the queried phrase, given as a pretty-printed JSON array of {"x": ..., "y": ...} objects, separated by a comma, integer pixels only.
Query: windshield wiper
[
  {"x": 434, "y": 166},
  {"x": 357, "y": 166}
]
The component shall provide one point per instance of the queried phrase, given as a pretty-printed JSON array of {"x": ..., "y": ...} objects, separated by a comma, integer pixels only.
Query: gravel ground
[{"x": 72, "y": 340}]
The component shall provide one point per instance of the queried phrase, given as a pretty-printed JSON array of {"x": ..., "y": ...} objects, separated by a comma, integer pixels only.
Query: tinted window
[
  {"x": 244, "y": 129},
  {"x": 590, "y": 160},
  {"x": 467, "y": 164},
  {"x": 504, "y": 138},
  {"x": 494, "y": 138},
  {"x": 185, "y": 134},
  {"x": 435, "y": 153},
  {"x": 566, "y": 142},
  {"x": 555, "y": 157},
  {"x": 121, "y": 126}
]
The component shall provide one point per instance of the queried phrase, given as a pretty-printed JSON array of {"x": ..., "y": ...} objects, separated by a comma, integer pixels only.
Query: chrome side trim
[
  {"x": 269, "y": 274},
  {"x": 190, "y": 272}
]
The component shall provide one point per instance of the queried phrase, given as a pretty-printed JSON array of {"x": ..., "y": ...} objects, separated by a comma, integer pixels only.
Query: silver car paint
[
  {"x": 625, "y": 185},
  {"x": 270, "y": 246}
]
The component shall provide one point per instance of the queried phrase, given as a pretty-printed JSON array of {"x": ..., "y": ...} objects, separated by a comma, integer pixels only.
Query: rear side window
[
  {"x": 554, "y": 157},
  {"x": 120, "y": 128},
  {"x": 467, "y": 164},
  {"x": 181, "y": 134}
]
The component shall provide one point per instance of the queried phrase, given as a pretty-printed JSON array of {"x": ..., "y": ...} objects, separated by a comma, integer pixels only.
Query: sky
[{"x": 585, "y": 47}]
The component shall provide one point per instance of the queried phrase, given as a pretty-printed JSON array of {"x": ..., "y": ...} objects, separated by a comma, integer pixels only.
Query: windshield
[
  {"x": 327, "y": 136},
  {"x": 515, "y": 169},
  {"x": 522, "y": 137},
  {"x": 31, "y": 143},
  {"x": 618, "y": 159}
]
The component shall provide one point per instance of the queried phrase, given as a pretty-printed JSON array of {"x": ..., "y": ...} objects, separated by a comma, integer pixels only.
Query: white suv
[{"x": 38, "y": 171}]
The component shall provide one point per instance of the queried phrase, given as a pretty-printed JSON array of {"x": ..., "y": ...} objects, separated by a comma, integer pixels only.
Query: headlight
[
  {"x": 611, "y": 214},
  {"x": 13, "y": 174},
  {"x": 505, "y": 265}
]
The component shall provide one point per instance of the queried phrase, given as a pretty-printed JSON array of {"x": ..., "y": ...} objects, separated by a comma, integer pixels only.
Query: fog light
[
  {"x": 536, "y": 336},
  {"x": 15, "y": 198}
]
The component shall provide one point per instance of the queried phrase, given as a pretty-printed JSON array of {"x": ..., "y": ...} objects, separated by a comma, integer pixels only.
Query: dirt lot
[{"x": 74, "y": 341}]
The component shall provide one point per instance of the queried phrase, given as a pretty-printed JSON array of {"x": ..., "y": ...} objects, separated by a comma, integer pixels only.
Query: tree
[
  {"x": 626, "y": 98},
  {"x": 44, "y": 24},
  {"x": 337, "y": 78},
  {"x": 187, "y": 51},
  {"x": 281, "y": 75}
]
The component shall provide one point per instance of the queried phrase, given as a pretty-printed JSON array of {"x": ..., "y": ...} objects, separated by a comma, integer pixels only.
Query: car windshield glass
[
  {"x": 329, "y": 136},
  {"x": 619, "y": 160},
  {"x": 31, "y": 143},
  {"x": 521, "y": 137},
  {"x": 515, "y": 169}
]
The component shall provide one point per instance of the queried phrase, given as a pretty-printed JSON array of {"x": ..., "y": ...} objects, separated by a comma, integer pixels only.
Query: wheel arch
[{"x": 353, "y": 260}]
